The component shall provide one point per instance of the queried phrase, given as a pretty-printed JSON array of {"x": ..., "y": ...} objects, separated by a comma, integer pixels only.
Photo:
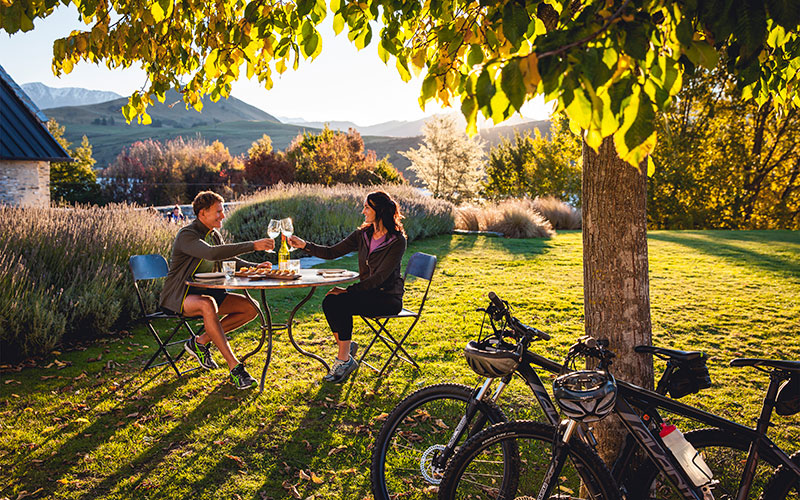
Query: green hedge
[
  {"x": 64, "y": 273},
  {"x": 325, "y": 215}
]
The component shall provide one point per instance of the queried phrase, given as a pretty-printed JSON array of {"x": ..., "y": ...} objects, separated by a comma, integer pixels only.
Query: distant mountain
[
  {"x": 395, "y": 128},
  {"x": 171, "y": 113},
  {"x": 51, "y": 97}
]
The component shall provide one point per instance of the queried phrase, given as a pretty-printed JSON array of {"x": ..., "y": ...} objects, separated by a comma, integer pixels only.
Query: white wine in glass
[
  {"x": 273, "y": 231},
  {"x": 287, "y": 228}
]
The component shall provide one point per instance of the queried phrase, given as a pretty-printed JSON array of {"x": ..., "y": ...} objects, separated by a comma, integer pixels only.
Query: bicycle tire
[
  {"x": 784, "y": 484},
  {"x": 724, "y": 454},
  {"x": 445, "y": 402},
  {"x": 479, "y": 460}
]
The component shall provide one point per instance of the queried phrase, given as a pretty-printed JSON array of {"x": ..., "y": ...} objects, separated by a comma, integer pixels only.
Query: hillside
[{"x": 171, "y": 113}]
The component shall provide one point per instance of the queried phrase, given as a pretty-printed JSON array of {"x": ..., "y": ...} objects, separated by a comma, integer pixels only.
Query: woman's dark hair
[{"x": 387, "y": 211}]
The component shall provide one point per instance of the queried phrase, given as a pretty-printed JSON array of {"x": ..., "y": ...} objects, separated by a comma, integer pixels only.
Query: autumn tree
[
  {"x": 332, "y": 157},
  {"x": 537, "y": 166},
  {"x": 265, "y": 167},
  {"x": 73, "y": 181},
  {"x": 449, "y": 163}
]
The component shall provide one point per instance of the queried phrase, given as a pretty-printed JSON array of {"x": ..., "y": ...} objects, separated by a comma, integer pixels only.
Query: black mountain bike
[
  {"x": 425, "y": 429},
  {"x": 529, "y": 460}
]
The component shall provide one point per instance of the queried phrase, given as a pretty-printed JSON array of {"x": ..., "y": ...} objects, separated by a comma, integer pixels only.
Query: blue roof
[{"x": 23, "y": 127}]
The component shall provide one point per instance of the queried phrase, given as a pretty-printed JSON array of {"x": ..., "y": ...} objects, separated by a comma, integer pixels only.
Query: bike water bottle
[{"x": 686, "y": 454}]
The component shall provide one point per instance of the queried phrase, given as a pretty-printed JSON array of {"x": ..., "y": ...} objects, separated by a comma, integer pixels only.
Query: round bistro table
[{"x": 309, "y": 278}]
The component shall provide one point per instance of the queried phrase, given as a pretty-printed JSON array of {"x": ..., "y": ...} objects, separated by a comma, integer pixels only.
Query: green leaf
[
  {"x": 428, "y": 88},
  {"x": 383, "y": 54},
  {"x": 784, "y": 12},
  {"x": 635, "y": 41},
  {"x": 475, "y": 55},
  {"x": 580, "y": 108},
  {"x": 512, "y": 83},
  {"x": 702, "y": 54},
  {"x": 311, "y": 45},
  {"x": 515, "y": 22},
  {"x": 469, "y": 108}
]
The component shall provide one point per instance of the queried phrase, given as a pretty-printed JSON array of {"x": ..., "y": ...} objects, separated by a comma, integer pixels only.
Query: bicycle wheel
[
  {"x": 784, "y": 484},
  {"x": 724, "y": 454},
  {"x": 416, "y": 430},
  {"x": 484, "y": 468}
]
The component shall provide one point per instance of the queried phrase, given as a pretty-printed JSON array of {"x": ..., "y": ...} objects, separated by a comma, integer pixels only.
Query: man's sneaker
[
  {"x": 353, "y": 349},
  {"x": 201, "y": 354},
  {"x": 241, "y": 379},
  {"x": 342, "y": 371}
]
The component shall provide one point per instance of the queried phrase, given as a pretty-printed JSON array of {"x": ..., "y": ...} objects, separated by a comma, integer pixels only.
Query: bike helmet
[
  {"x": 585, "y": 395},
  {"x": 492, "y": 357}
]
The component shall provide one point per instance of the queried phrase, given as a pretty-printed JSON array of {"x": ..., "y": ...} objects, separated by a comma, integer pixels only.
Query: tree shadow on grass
[
  {"x": 143, "y": 466},
  {"x": 724, "y": 244}
]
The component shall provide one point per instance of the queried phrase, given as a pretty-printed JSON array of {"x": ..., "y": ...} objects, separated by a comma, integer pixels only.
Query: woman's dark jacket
[{"x": 379, "y": 270}]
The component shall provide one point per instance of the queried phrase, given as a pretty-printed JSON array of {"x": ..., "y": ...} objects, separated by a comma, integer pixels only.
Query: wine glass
[
  {"x": 287, "y": 228},
  {"x": 273, "y": 230}
]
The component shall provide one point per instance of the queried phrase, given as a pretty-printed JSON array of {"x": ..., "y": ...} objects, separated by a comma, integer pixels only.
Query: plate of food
[
  {"x": 209, "y": 276},
  {"x": 264, "y": 273},
  {"x": 332, "y": 271}
]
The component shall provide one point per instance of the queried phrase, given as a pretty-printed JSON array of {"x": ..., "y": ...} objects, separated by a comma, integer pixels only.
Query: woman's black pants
[{"x": 340, "y": 309}]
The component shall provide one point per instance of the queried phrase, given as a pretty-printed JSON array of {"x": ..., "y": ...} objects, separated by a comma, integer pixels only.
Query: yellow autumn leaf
[
  {"x": 81, "y": 420},
  {"x": 316, "y": 479},
  {"x": 529, "y": 67}
]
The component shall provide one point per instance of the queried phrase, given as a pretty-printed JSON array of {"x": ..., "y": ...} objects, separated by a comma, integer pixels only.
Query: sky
[{"x": 341, "y": 84}]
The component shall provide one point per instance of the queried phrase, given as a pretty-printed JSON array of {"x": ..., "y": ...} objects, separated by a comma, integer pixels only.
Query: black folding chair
[
  {"x": 422, "y": 266},
  {"x": 148, "y": 267}
]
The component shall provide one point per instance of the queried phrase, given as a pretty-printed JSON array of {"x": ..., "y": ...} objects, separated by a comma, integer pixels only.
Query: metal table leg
[
  {"x": 291, "y": 337},
  {"x": 266, "y": 329}
]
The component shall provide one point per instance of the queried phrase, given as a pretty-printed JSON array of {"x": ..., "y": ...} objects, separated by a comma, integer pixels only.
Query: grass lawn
[{"x": 84, "y": 423}]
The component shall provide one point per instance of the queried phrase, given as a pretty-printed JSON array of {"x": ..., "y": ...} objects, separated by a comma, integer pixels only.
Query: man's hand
[
  {"x": 297, "y": 242},
  {"x": 268, "y": 265},
  {"x": 264, "y": 245},
  {"x": 336, "y": 290}
]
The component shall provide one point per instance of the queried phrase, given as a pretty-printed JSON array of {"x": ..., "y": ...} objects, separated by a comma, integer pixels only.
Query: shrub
[
  {"x": 325, "y": 215},
  {"x": 513, "y": 218},
  {"x": 64, "y": 272},
  {"x": 561, "y": 215}
]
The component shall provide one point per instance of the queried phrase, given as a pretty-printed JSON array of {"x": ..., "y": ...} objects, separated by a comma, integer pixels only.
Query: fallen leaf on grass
[
  {"x": 221, "y": 442},
  {"x": 336, "y": 450},
  {"x": 441, "y": 423},
  {"x": 348, "y": 471},
  {"x": 302, "y": 475},
  {"x": 132, "y": 415},
  {"x": 289, "y": 487},
  {"x": 309, "y": 448},
  {"x": 81, "y": 420},
  {"x": 92, "y": 360},
  {"x": 238, "y": 460},
  {"x": 316, "y": 479},
  {"x": 80, "y": 377},
  {"x": 12, "y": 381},
  {"x": 48, "y": 377}
]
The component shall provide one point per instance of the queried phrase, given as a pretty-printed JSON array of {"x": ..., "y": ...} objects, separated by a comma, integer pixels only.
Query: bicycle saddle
[
  {"x": 679, "y": 356},
  {"x": 792, "y": 366}
]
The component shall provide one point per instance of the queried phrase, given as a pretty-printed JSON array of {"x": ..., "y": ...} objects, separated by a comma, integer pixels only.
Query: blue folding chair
[
  {"x": 149, "y": 267},
  {"x": 420, "y": 265}
]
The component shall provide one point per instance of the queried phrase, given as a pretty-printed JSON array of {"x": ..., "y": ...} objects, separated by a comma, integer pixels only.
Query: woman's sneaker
[
  {"x": 200, "y": 353},
  {"x": 241, "y": 379},
  {"x": 341, "y": 370}
]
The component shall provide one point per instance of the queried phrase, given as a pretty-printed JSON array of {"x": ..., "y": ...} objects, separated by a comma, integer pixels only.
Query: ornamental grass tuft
[
  {"x": 514, "y": 218},
  {"x": 64, "y": 272}
]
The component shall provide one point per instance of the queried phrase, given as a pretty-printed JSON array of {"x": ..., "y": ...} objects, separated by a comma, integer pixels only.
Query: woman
[{"x": 380, "y": 242}]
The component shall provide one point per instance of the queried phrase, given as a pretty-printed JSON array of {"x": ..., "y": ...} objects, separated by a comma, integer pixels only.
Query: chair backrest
[
  {"x": 421, "y": 265},
  {"x": 148, "y": 267}
]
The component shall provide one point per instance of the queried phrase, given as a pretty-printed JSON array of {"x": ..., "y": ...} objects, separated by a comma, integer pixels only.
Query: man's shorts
[{"x": 218, "y": 294}]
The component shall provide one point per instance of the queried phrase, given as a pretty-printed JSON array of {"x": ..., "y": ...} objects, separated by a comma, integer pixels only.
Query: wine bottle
[{"x": 283, "y": 255}]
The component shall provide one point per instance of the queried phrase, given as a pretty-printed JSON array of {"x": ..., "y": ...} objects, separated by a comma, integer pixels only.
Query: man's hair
[{"x": 205, "y": 199}]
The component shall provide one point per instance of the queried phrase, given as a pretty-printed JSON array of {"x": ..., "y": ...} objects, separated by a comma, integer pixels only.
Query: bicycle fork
[
  {"x": 560, "y": 450},
  {"x": 472, "y": 410}
]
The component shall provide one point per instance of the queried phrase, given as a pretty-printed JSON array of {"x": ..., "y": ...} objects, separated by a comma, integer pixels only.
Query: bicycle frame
[{"x": 631, "y": 396}]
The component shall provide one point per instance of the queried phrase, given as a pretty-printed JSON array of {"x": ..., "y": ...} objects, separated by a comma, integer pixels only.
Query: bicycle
[
  {"x": 424, "y": 430},
  {"x": 479, "y": 469}
]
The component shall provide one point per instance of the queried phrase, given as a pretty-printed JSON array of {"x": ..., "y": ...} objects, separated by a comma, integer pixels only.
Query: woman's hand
[
  {"x": 297, "y": 242},
  {"x": 265, "y": 244},
  {"x": 268, "y": 265},
  {"x": 336, "y": 290}
]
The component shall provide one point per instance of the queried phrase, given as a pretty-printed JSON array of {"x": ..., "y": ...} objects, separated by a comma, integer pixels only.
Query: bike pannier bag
[
  {"x": 689, "y": 377},
  {"x": 788, "y": 400}
]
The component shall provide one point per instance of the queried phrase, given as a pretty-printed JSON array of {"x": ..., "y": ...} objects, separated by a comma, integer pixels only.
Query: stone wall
[{"x": 25, "y": 183}]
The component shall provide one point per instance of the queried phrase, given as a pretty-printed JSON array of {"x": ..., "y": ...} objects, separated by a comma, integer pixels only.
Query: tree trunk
[{"x": 615, "y": 273}]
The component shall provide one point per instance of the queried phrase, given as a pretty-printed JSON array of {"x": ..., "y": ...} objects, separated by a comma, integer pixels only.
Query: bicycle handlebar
[{"x": 501, "y": 311}]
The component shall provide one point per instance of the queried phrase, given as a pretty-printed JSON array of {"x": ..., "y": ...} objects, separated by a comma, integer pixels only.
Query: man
[{"x": 198, "y": 248}]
